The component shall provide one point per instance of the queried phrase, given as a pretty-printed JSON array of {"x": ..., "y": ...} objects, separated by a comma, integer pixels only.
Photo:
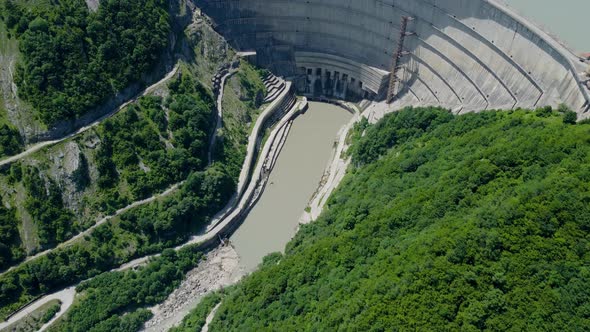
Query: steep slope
[
  {"x": 474, "y": 222},
  {"x": 135, "y": 182},
  {"x": 158, "y": 141}
]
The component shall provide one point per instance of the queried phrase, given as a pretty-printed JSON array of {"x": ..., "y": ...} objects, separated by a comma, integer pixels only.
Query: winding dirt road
[
  {"x": 41, "y": 145},
  {"x": 66, "y": 297},
  {"x": 97, "y": 224},
  {"x": 38, "y": 146}
]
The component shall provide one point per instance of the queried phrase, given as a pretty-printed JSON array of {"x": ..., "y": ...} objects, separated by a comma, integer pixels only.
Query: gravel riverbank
[{"x": 219, "y": 269}]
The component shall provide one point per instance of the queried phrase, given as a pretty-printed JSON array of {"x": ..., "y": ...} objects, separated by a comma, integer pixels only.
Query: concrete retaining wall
[{"x": 468, "y": 55}]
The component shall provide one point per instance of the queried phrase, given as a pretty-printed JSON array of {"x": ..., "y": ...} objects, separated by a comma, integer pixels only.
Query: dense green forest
[
  {"x": 10, "y": 141},
  {"x": 136, "y": 153},
  {"x": 144, "y": 149},
  {"x": 74, "y": 59},
  {"x": 110, "y": 301},
  {"x": 445, "y": 223},
  {"x": 168, "y": 139},
  {"x": 153, "y": 144}
]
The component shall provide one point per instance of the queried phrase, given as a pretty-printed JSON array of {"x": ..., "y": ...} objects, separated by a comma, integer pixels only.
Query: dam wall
[{"x": 466, "y": 55}]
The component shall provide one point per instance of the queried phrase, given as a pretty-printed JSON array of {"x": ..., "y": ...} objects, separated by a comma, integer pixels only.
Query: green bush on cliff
[
  {"x": 45, "y": 205},
  {"x": 10, "y": 141},
  {"x": 142, "y": 150},
  {"x": 10, "y": 248},
  {"x": 251, "y": 84}
]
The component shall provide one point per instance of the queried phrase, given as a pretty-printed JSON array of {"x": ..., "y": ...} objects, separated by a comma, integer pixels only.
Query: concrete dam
[{"x": 465, "y": 55}]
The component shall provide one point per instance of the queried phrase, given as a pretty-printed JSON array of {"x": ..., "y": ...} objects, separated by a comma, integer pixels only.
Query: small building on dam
[{"x": 466, "y": 55}]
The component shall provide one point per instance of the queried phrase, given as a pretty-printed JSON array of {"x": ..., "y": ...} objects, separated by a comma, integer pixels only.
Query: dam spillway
[{"x": 466, "y": 55}]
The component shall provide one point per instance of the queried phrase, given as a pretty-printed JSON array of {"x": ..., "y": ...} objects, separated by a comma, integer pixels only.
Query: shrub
[{"x": 570, "y": 117}]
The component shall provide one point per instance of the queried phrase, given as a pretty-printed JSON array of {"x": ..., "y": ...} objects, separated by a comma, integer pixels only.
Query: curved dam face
[{"x": 467, "y": 55}]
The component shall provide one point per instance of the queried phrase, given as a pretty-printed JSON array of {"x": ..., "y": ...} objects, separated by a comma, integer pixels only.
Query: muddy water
[
  {"x": 566, "y": 19},
  {"x": 301, "y": 164}
]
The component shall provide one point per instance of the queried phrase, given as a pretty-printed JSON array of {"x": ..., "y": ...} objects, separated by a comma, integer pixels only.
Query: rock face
[
  {"x": 71, "y": 159},
  {"x": 93, "y": 4},
  {"x": 467, "y": 55},
  {"x": 66, "y": 168},
  {"x": 18, "y": 112},
  {"x": 211, "y": 46}
]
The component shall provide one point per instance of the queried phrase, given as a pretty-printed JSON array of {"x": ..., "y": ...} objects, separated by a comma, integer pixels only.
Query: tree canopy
[
  {"x": 110, "y": 301},
  {"x": 73, "y": 59},
  {"x": 10, "y": 249}
]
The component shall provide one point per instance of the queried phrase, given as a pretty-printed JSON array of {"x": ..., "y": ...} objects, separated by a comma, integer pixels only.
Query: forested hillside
[
  {"x": 445, "y": 223},
  {"x": 143, "y": 150},
  {"x": 158, "y": 142},
  {"x": 73, "y": 59},
  {"x": 140, "y": 153}
]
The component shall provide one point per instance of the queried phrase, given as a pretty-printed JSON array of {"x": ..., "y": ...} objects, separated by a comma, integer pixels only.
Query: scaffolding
[{"x": 394, "y": 80}]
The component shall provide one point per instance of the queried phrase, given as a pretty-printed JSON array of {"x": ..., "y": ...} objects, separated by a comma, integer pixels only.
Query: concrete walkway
[
  {"x": 229, "y": 211},
  {"x": 135, "y": 204},
  {"x": 236, "y": 207},
  {"x": 253, "y": 139},
  {"x": 163, "y": 321},
  {"x": 217, "y": 218}
]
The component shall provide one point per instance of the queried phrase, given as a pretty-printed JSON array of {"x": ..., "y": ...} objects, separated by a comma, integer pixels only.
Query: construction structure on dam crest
[{"x": 465, "y": 55}]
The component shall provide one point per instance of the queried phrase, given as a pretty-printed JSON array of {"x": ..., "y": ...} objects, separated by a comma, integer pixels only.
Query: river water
[
  {"x": 566, "y": 19},
  {"x": 299, "y": 168}
]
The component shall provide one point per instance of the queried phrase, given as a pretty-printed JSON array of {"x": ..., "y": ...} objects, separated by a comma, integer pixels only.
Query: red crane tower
[{"x": 394, "y": 80}]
